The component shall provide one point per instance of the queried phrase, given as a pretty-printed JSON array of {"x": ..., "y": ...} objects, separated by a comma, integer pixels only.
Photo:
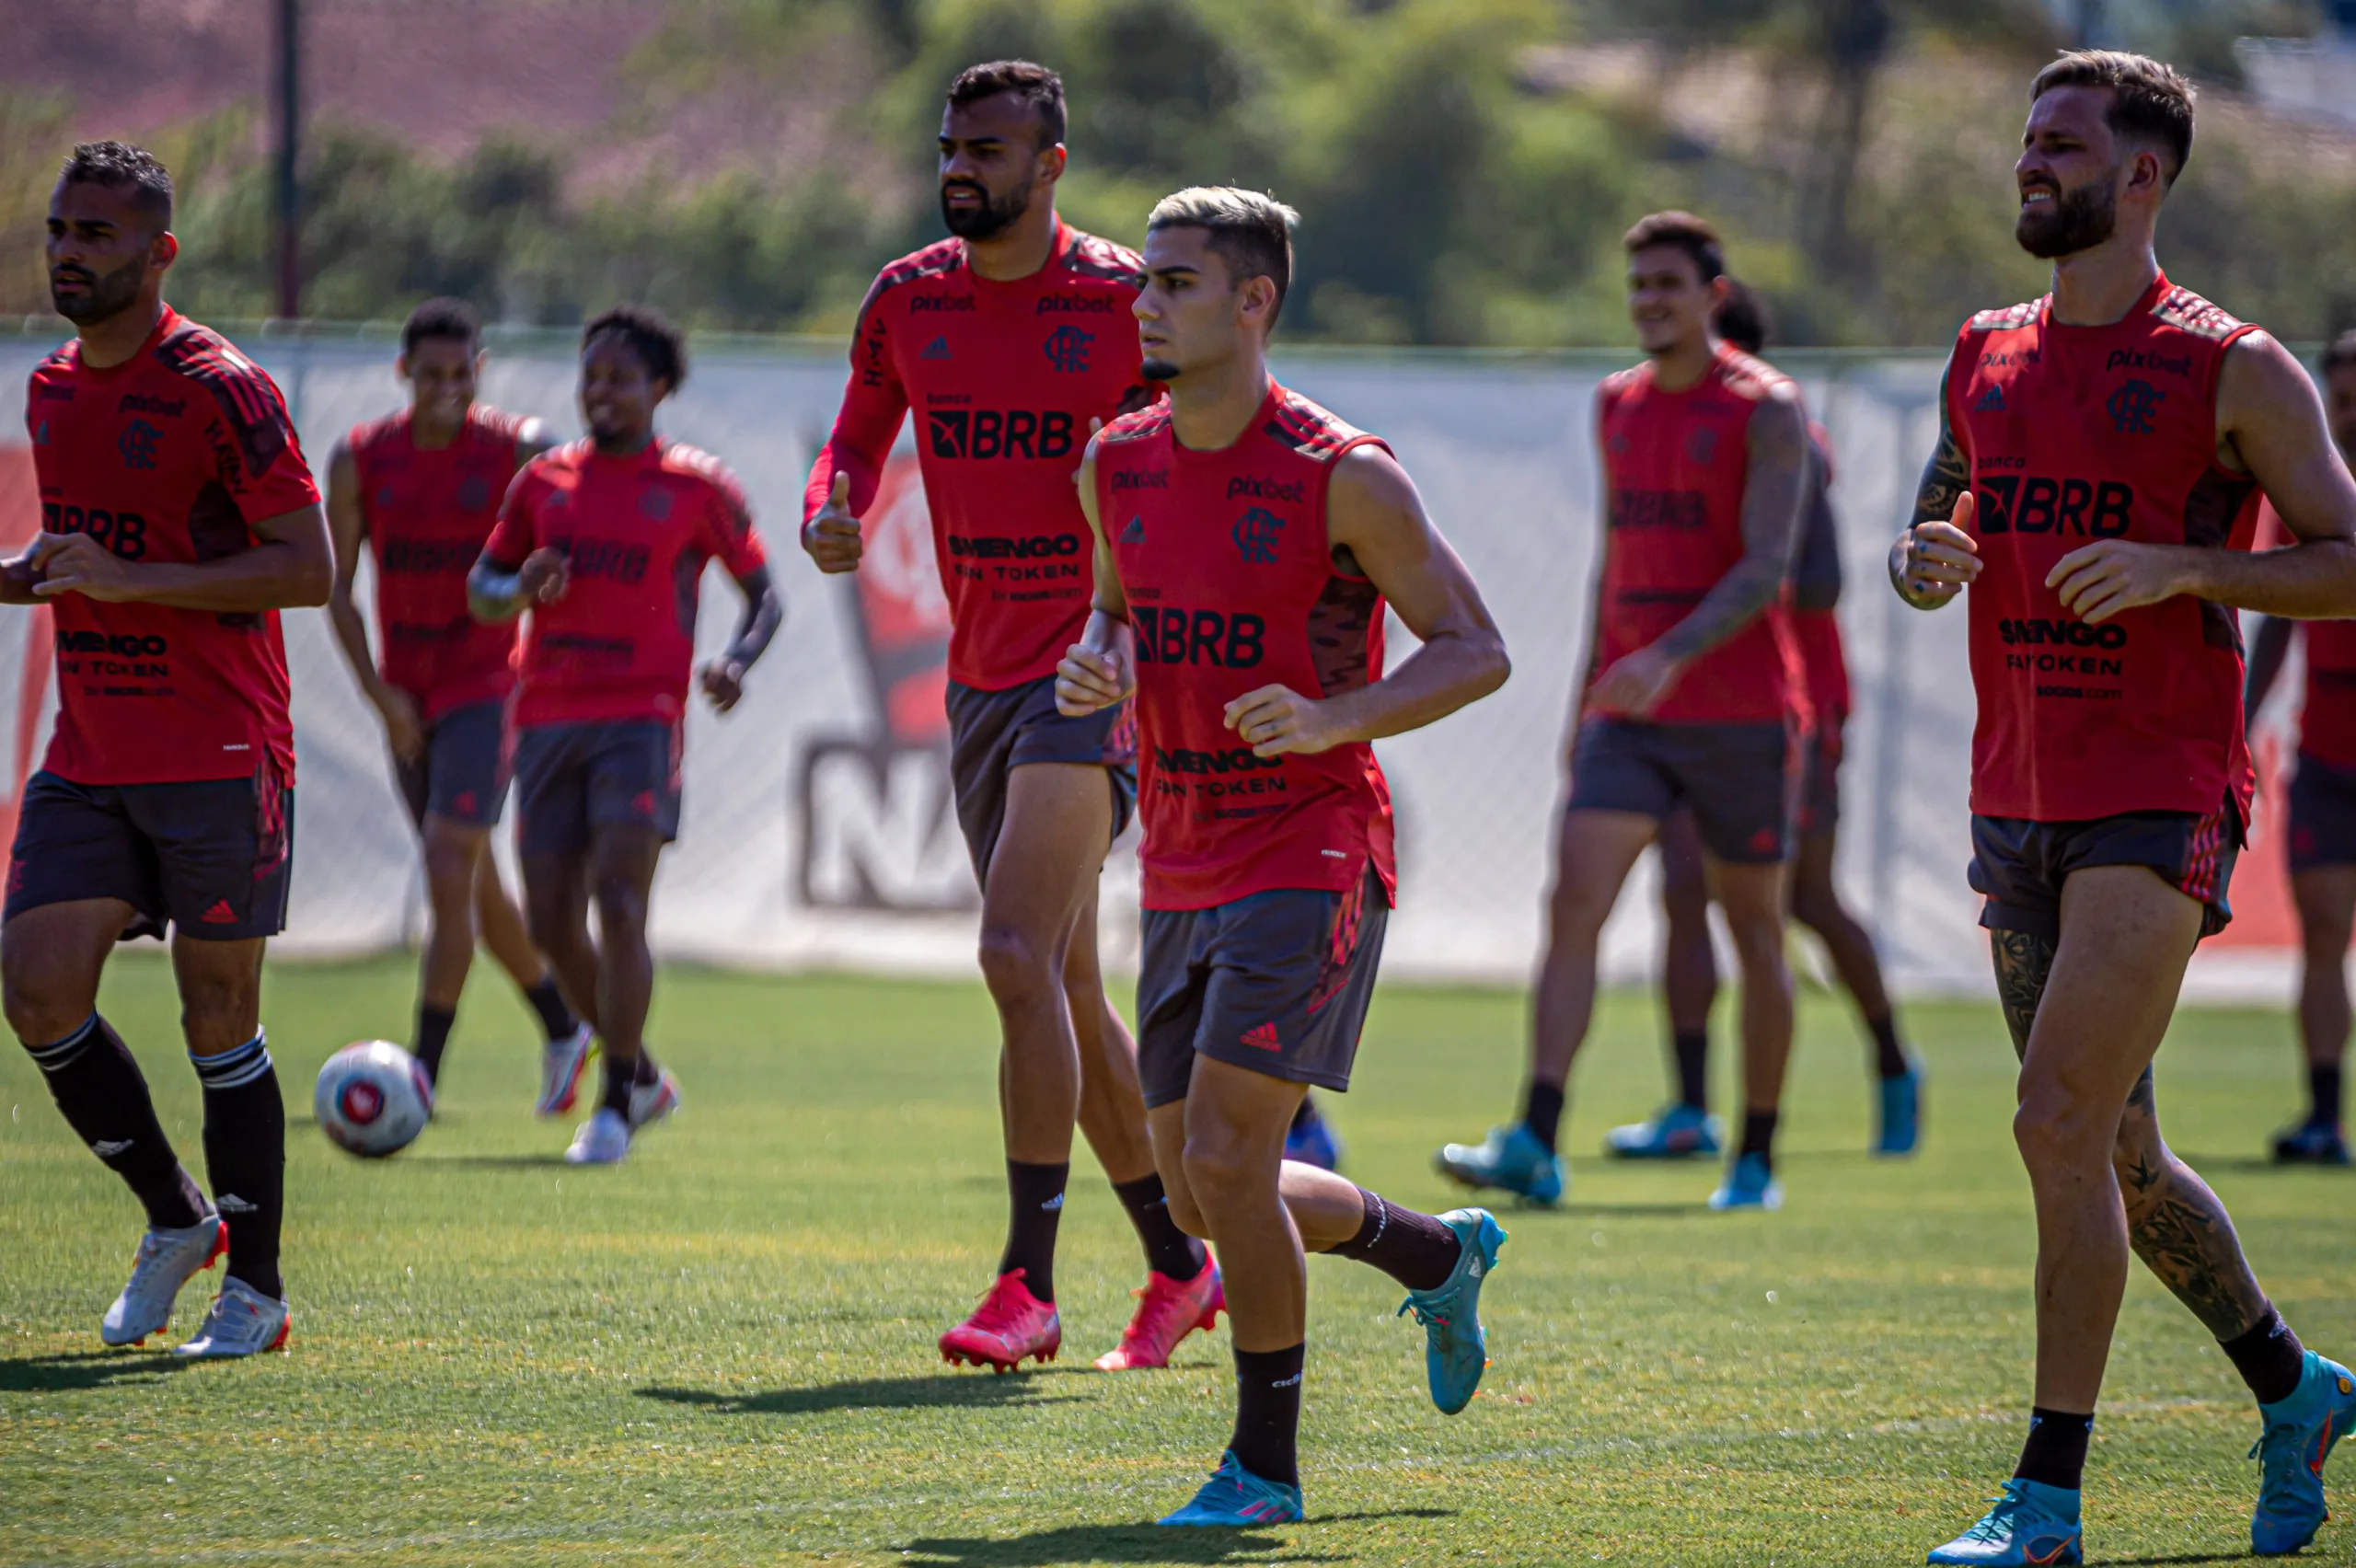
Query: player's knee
[
  {"x": 1221, "y": 1171},
  {"x": 1184, "y": 1212},
  {"x": 621, "y": 904},
  {"x": 449, "y": 871},
  {"x": 1758, "y": 939},
  {"x": 1577, "y": 911},
  {"x": 218, "y": 1011},
  {"x": 2055, "y": 1129},
  {"x": 1016, "y": 964},
  {"x": 37, "y": 1006}
]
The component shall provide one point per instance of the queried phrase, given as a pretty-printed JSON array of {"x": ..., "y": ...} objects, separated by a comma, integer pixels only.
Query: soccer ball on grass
[{"x": 372, "y": 1099}]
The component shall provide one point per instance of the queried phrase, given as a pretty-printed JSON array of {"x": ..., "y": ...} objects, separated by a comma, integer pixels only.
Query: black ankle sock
[
  {"x": 434, "y": 1037},
  {"x": 548, "y": 1002},
  {"x": 1691, "y": 1047},
  {"x": 1414, "y": 1249},
  {"x": 1758, "y": 1134},
  {"x": 2269, "y": 1357},
  {"x": 2055, "y": 1454},
  {"x": 619, "y": 1077},
  {"x": 245, "y": 1154},
  {"x": 104, "y": 1099},
  {"x": 1036, "y": 1195},
  {"x": 1889, "y": 1055},
  {"x": 1268, "y": 1413},
  {"x": 2323, "y": 1093},
  {"x": 1168, "y": 1250},
  {"x": 1542, "y": 1111}
]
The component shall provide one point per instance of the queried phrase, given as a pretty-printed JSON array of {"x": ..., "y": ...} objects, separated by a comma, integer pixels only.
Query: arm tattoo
[
  {"x": 1775, "y": 484},
  {"x": 1946, "y": 478},
  {"x": 2023, "y": 960}
]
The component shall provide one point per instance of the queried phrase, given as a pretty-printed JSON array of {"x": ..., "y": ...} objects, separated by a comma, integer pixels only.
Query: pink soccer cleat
[
  {"x": 1168, "y": 1311},
  {"x": 1009, "y": 1326}
]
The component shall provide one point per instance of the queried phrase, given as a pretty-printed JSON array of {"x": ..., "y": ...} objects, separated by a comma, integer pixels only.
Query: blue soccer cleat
[
  {"x": 1679, "y": 1132},
  {"x": 2031, "y": 1523},
  {"x": 2300, "y": 1433},
  {"x": 1456, "y": 1348},
  {"x": 1235, "y": 1499},
  {"x": 2311, "y": 1142},
  {"x": 1512, "y": 1160},
  {"x": 1900, "y": 1128},
  {"x": 1311, "y": 1141},
  {"x": 1751, "y": 1184}
]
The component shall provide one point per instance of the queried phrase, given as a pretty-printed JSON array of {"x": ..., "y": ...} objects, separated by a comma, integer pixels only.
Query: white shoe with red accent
[
  {"x": 560, "y": 1065},
  {"x": 166, "y": 1261},
  {"x": 243, "y": 1322},
  {"x": 649, "y": 1103}
]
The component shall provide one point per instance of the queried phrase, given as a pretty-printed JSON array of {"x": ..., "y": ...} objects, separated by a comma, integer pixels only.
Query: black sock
[
  {"x": 619, "y": 1076},
  {"x": 1414, "y": 1249},
  {"x": 104, "y": 1099},
  {"x": 1889, "y": 1055},
  {"x": 1758, "y": 1134},
  {"x": 1692, "y": 1048},
  {"x": 2055, "y": 1454},
  {"x": 434, "y": 1037},
  {"x": 1168, "y": 1250},
  {"x": 1542, "y": 1111},
  {"x": 245, "y": 1154},
  {"x": 548, "y": 1002},
  {"x": 1036, "y": 1195},
  {"x": 2269, "y": 1357},
  {"x": 2323, "y": 1093},
  {"x": 1268, "y": 1413}
]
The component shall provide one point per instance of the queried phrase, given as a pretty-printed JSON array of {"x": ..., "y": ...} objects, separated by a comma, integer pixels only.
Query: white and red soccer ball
[{"x": 372, "y": 1099}]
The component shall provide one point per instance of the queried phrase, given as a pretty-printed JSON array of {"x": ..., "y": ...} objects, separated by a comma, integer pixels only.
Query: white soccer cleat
[
  {"x": 243, "y": 1322},
  {"x": 649, "y": 1103},
  {"x": 560, "y": 1065},
  {"x": 603, "y": 1139},
  {"x": 167, "y": 1259}
]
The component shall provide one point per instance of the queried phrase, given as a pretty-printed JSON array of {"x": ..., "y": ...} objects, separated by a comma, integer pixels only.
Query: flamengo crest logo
[
  {"x": 137, "y": 445},
  {"x": 2134, "y": 407},
  {"x": 1256, "y": 532},
  {"x": 1067, "y": 349}
]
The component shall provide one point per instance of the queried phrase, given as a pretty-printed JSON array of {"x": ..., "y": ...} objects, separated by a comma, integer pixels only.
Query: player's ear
[
  {"x": 164, "y": 249},
  {"x": 400, "y": 365},
  {"x": 1051, "y": 163}
]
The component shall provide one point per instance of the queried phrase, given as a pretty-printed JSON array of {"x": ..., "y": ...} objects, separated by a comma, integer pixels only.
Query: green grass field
[{"x": 723, "y": 1350}]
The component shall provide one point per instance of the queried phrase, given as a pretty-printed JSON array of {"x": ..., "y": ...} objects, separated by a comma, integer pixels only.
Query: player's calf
[{"x": 103, "y": 1097}]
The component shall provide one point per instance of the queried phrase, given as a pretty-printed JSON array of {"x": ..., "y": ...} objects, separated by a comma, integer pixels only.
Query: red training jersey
[
  {"x": 1675, "y": 464},
  {"x": 430, "y": 511},
  {"x": 167, "y": 457},
  {"x": 2074, "y": 434},
  {"x": 635, "y": 532},
  {"x": 1815, "y": 589},
  {"x": 2327, "y": 715},
  {"x": 1006, "y": 377},
  {"x": 1231, "y": 586}
]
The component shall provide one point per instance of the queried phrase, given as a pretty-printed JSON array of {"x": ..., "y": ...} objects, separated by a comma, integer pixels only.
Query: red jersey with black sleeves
[
  {"x": 1004, "y": 378},
  {"x": 636, "y": 532},
  {"x": 167, "y": 458},
  {"x": 1675, "y": 466},
  {"x": 2074, "y": 434},
  {"x": 1231, "y": 586},
  {"x": 430, "y": 511}
]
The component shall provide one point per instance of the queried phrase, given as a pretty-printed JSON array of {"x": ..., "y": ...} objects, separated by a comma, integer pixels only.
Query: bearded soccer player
[
  {"x": 2322, "y": 840},
  {"x": 422, "y": 489},
  {"x": 1247, "y": 542},
  {"x": 178, "y": 519},
  {"x": 2095, "y": 483},
  {"x": 1690, "y": 976},
  {"x": 1012, "y": 338},
  {"x": 604, "y": 541},
  {"x": 1695, "y": 695}
]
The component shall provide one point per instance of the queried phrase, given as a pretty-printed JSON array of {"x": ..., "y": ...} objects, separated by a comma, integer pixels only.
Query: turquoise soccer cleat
[
  {"x": 1456, "y": 1348},
  {"x": 2031, "y": 1523},
  {"x": 1751, "y": 1184},
  {"x": 1679, "y": 1132},
  {"x": 1899, "y": 1129},
  {"x": 2299, "y": 1437},
  {"x": 1235, "y": 1499},
  {"x": 1511, "y": 1159}
]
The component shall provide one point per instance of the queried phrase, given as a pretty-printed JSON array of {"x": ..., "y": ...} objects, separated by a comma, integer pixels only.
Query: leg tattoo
[
  {"x": 2024, "y": 963},
  {"x": 2178, "y": 1228}
]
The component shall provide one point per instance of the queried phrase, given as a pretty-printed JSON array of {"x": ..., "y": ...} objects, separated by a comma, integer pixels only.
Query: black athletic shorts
[
  {"x": 991, "y": 734},
  {"x": 1278, "y": 982},
  {"x": 2019, "y": 866},
  {"x": 1820, "y": 795},
  {"x": 214, "y": 857},
  {"x": 1742, "y": 781},
  {"x": 572, "y": 779},
  {"x": 2323, "y": 815},
  {"x": 463, "y": 775}
]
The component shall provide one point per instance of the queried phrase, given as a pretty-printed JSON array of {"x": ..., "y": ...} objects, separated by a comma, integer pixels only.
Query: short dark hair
[
  {"x": 1743, "y": 319},
  {"x": 1250, "y": 230},
  {"x": 1686, "y": 232},
  {"x": 660, "y": 346},
  {"x": 117, "y": 165},
  {"x": 2340, "y": 354},
  {"x": 1034, "y": 84},
  {"x": 441, "y": 317},
  {"x": 2149, "y": 100}
]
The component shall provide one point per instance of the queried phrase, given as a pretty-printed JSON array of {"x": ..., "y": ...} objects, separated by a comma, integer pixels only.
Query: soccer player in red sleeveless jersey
[
  {"x": 1247, "y": 542},
  {"x": 1013, "y": 337},
  {"x": 178, "y": 519},
  {"x": 2096, "y": 480},
  {"x": 2322, "y": 840},
  {"x": 604, "y": 541},
  {"x": 1695, "y": 699},
  {"x": 421, "y": 489}
]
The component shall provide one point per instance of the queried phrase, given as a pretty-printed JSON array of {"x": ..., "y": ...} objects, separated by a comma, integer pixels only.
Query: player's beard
[
  {"x": 110, "y": 293},
  {"x": 2074, "y": 221},
  {"x": 992, "y": 218},
  {"x": 1159, "y": 370}
]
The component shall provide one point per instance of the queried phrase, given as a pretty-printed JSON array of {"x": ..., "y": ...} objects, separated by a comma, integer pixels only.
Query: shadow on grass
[
  {"x": 1605, "y": 1211},
  {"x": 942, "y": 1390},
  {"x": 2158, "y": 1562},
  {"x": 85, "y": 1369},
  {"x": 491, "y": 1161},
  {"x": 1133, "y": 1543}
]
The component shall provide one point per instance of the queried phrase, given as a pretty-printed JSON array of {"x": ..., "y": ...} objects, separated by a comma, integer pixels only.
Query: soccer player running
[
  {"x": 1689, "y": 975},
  {"x": 422, "y": 489},
  {"x": 1013, "y": 337},
  {"x": 1694, "y": 695},
  {"x": 2323, "y": 817},
  {"x": 2100, "y": 456},
  {"x": 605, "y": 541},
  {"x": 178, "y": 519},
  {"x": 1247, "y": 542}
]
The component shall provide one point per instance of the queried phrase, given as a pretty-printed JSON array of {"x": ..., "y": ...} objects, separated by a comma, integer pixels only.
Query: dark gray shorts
[
  {"x": 2018, "y": 866},
  {"x": 214, "y": 857},
  {"x": 572, "y": 779},
  {"x": 2323, "y": 815},
  {"x": 463, "y": 775},
  {"x": 1277, "y": 983},
  {"x": 991, "y": 734},
  {"x": 1741, "y": 782}
]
